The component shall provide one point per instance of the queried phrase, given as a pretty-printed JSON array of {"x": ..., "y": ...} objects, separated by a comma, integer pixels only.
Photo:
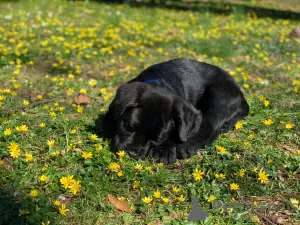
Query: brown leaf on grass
[
  {"x": 79, "y": 150},
  {"x": 286, "y": 147},
  {"x": 200, "y": 156},
  {"x": 118, "y": 204},
  {"x": 82, "y": 99},
  {"x": 295, "y": 33}
]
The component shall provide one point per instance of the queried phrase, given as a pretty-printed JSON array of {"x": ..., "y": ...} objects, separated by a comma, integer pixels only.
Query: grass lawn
[{"x": 56, "y": 169}]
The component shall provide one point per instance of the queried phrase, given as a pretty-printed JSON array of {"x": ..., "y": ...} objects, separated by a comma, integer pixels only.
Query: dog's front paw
[
  {"x": 164, "y": 154},
  {"x": 188, "y": 149}
]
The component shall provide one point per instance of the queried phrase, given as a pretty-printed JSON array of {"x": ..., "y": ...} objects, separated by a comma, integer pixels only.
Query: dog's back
[{"x": 186, "y": 78}]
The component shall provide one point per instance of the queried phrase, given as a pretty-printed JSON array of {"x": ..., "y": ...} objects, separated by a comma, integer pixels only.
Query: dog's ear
[
  {"x": 126, "y": 97},
  {"x": 187, "y": 119}
]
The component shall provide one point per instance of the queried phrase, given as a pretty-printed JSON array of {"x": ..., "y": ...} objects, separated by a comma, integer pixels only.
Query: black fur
[{"x": 172, "y": 109}]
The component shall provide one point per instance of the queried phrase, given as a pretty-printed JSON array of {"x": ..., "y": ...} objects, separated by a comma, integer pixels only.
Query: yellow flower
[
  {"x": 241, "y": 173},
  {"x": 63, "y": 210},
  {"x": 147, "y": 200},
  {"x": 289, "y": 126},
  {"x": 198, "y": 174},
  {"x": 246, "y": 86},
  {"x": 75, "y": 187},
  {"x": 103, "y": 91},
  {"x": 51, "y": 143},
  {"x": 73, "y": 131},
  {"x": 263, "y": 176},
  {"x": 114, "y": 166},
  {"x": 7, "y": 132},
  {"x": 138, "y": 167},
  {"x": 52, "y": 114},
  {"x": 43, "y": 178},
  {"x": 160, "y": 50},
  {"x": 67, "y": 181},
  {"x": 266, "y": 103},
  {"x": 251, "y": 136},
  {"x": 239, "y": 125},
  {"x": 175, "y": 189},
  {"x": 28, "y": 157},
  {"x": 56, "y": 203},
  {"x": 80, "y": 109},
  {"x": 83, "y": 91},
  {"x": 94, "y": 137},
  {"x": 294, "y": 203},
  {"x": 42, "y": 125},
  {"x": 220, "y": 149},
  {"x": 120, "y": 174},
  {"x": 98, "y": 147},
  {"x": 121, "y": 153},
  {"x": 165, "y": 200},
  {"x": 181, "y": 198},
  {"x": 2, "y": 97},
  {"x": 160, "y": 164},
  {"x": 25, "y": 102},
  {"x": 34, "y": 193},
  {"x": 156, "y": 194},
  {"x": 268, "y": 122},
  {"x": 13, "y": 145},
  {"x": 22, "y": 128},
  {"x": 136, "y": 184},
  {"x": 234, "y": 186},
  {"x": 149, "y": 168},
  {"x": 14, "y": 150},
  {"x": 211, "y": 198},
  {"x": 39, "y": 97},
  {"x": 92, "y": 83},
  {"x": 220, "y": 175},
  {"x": 70, "y": 91},
  {"x": 247, "y": 143},
  {"x": 87, "y": 155},
  {"x": 23, "y": 212}
]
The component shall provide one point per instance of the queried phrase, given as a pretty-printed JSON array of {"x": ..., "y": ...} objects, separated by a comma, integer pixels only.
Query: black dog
[{"x": 172, "y": 109}]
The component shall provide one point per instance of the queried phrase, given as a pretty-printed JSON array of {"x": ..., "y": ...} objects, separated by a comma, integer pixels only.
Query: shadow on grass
[
  {"x": 9, "y": 209},
  {"x": 213, "y": 7},
  {"x": 17, "y": 208},
  {"x": 97, "y": 128}
]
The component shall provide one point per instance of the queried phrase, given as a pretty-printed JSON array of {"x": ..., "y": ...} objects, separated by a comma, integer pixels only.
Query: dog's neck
[{"x": 149, "y": 81}]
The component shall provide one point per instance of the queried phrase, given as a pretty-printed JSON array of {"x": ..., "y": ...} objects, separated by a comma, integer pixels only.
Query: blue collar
[{"x": 149, "y": 81}]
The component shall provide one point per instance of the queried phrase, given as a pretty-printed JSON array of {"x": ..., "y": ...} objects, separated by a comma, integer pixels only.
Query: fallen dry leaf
[
  {"x": 286, "y": 147},
  {"x": 82, "y": 99},
  {"x": 118, "y": 204},
  {"x": 79, "y": 150}
]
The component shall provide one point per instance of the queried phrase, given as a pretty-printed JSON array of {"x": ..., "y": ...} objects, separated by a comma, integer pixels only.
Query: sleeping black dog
[{"x": 172, "y": 109}]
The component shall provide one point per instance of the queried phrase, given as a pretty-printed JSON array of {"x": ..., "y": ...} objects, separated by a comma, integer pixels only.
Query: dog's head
[{"x": 142, "y": 116}]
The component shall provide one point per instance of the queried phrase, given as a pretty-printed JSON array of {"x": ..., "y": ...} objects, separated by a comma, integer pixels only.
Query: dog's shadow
[{"x": 97, "y": 128}]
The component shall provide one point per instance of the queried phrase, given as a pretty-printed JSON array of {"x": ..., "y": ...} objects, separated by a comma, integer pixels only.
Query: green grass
[{"x": 57, "y": 49}]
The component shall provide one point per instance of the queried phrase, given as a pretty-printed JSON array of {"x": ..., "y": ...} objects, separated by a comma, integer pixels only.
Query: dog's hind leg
[{"x": 222, "y": 105}]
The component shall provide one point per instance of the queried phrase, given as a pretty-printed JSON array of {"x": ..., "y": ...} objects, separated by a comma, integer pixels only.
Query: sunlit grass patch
[{"x": 56, "y": 167}]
